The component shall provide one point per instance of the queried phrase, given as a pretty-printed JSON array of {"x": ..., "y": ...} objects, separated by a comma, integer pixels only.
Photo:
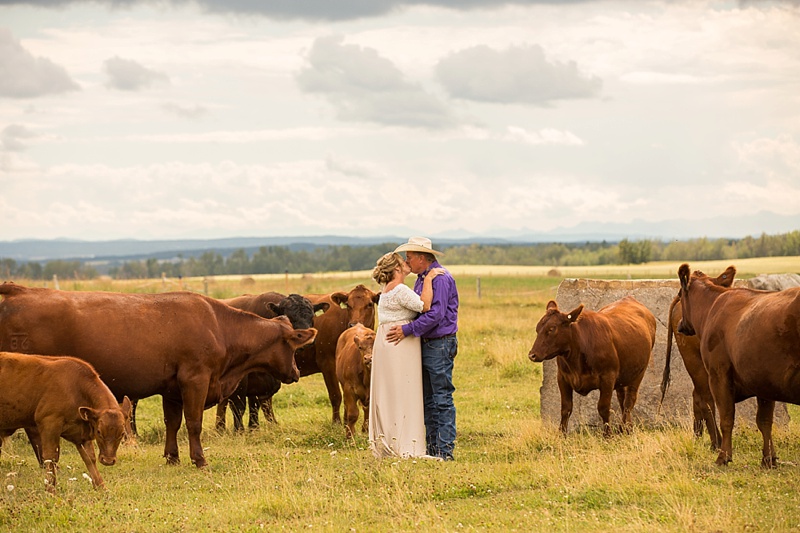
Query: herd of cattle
[{"x": 197, "y": 352}]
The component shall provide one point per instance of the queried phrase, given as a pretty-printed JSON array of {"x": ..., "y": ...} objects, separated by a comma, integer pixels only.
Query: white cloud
[
  {"x": 24, "y": 76},
  {"x": 363, "y": 86},
  {"x": 516, "y": 75}
]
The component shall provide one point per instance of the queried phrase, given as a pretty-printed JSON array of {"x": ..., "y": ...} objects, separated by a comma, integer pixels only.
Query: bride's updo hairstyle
[{"x": 385, "y": 267}]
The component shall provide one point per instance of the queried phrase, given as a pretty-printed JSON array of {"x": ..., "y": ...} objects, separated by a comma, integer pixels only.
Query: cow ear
[
  {"x": 358, "y": 340},
  {"x": 552, "y": 305},
  {"x": 321, "y": 307},
  {"x": 726, "y": 278},
  {"x": 339, "y": 298},
  {"x": 683, "y": 275},
  {"x": 272, "y": 306},
  {"x": 298, "y": 338},
  {"x": 575, "y": 313},
  {"x": 88, "y": 414},
  {"x": 376, "y": 298},
  {"x": 127, "y": 407}
]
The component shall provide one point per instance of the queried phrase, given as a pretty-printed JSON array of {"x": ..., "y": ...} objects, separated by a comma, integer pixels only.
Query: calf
[
  {"x": 353, "y": 370},
  {"x": 55, "y": 397},
  {"x": 607, "y": 350}
]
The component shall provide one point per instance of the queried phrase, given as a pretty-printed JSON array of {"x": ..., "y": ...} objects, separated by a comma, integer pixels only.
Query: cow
[
  {"x": 187, "y": 347},
  {"x": 689, "y": 347},
  {"x": 346, "y": 309},
  {"x": 258, "y": 388},
  {"x": 607, "y": 350},
  {"x": 61, "y": 397},
  {"x": 353, "y": 370},
  {"x": 750, "y": 345}
]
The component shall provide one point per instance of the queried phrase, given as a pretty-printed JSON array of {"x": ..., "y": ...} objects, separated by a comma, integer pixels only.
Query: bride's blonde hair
[{"x": 385, "y": 267}]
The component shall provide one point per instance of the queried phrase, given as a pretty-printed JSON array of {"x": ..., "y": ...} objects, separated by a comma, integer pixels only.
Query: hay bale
[{"x": 656, "y": 295}]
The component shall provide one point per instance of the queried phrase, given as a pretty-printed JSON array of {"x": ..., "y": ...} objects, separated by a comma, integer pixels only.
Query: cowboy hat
[{"x": 418, "y": 244}]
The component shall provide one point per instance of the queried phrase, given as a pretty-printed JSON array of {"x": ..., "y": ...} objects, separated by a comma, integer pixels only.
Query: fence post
[{"x": 479, "y": 287}]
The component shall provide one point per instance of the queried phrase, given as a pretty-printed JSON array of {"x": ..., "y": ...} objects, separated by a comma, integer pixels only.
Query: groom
[{"x": 437, "y": 331}]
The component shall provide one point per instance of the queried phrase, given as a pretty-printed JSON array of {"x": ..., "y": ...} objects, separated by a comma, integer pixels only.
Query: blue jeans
[{"x": 437, "y": 390}]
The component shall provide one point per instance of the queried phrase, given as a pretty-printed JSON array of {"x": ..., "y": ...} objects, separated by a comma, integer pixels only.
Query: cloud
[
  {"x": 26, "y": 76},
  {"x": 128, "y": 75},
  {"x": 363, "y": 86},
  {"x": 516, "y": 75},
  {"x": 12, "y": 137},
  {"x": 187, "y": 112}
]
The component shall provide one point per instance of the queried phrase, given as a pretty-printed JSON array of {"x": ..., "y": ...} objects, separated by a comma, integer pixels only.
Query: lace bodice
[{"x": 399, "y": 304}]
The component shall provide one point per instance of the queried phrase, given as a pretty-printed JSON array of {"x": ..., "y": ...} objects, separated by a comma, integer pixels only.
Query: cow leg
[
  {"x": 764, "y": 415},
  {"x": 365, "y": 409},
  {"x": 238, "y": 402},
  {"x": 50, "y": 455},
  {"x": 627, "y": 401},
  {"x": 35, "y": 439},
  {"x": 604, "y": 406},
  {"x": 194, "y": 398},
  {"x": 173, "y": 415},
  {"x": 253, "y": 405},
  {"x": 350, "y": 414},
  {"x": 133, "y": 417},
  {"x": 334, "y": 392},
  {"x": 565, "y": 390},
  {"x": 222, "y": 413},
  {"x": 723, "y": 397},
  {"x": 704, "y": 411},
  {"x": 87, "y": 453},
  {"x": 265, "y": 403}
]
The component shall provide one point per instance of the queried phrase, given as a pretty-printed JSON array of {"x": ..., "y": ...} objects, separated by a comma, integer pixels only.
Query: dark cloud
[
  {"x": 516, "y": 75},
  {"x": 363, "y": 86},
  {"x": 24, "y": 76},
  {"x": 128, "y": 75}
]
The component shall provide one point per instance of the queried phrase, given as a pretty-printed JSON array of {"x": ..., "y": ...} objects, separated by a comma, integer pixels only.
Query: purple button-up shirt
[{"x": 442, "y": 318}]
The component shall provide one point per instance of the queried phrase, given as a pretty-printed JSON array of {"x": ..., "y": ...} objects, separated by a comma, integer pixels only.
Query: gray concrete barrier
[{"x": 656, "y": 295}]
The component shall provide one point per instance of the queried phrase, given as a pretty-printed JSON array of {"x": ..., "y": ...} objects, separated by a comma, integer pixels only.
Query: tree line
[{"x": 280, "y": 259}]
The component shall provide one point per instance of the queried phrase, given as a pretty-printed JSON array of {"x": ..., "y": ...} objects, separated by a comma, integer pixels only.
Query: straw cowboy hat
[{"x": 418, "y": 244}]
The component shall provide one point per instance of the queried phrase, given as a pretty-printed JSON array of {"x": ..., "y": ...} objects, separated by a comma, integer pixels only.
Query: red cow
[
  {"x": 346, "y": 309},
  {"x": 689, "y": 348},
  {"x": 750, "y": 345},
  {"x": 189, "y": 348},
  {"x": 607, "y": 350},
  {"x": 353, "y": 369},
  {"x": 55, "y": 397}
]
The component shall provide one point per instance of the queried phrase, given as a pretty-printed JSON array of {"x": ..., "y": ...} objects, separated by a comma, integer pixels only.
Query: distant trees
[{"x": 279, "y": 259}]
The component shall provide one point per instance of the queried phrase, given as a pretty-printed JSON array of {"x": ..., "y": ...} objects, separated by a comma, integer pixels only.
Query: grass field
[{"x": 511, "y": 472}]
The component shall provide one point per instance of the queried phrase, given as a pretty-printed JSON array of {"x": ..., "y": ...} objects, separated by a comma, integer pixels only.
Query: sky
[{"x": 245, "y": 118}]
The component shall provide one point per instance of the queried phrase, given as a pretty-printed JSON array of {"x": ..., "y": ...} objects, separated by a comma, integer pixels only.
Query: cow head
[
  {"x": 108, "y": 428},
  {"x": 297, "y": 309},
  {"x": 286, "y": 369},
  {"x": 694, "y": 283},
  {"x": 359, "y": 304},
  {"x": 365, "y": 340},
  {"x": 554, "y": 333}
]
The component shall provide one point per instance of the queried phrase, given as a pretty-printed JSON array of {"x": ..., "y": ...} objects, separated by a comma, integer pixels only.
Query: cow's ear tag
[
  {"x": 343, "y": 305},
  {"x": 569, "y": 317},
  {"x": 319, "y": 312}
]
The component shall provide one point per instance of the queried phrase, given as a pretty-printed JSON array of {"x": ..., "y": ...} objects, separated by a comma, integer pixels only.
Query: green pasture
[{"x": 511, "y": 473}]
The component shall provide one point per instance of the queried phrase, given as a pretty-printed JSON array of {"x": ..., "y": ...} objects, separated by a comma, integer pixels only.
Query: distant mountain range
[{"x": 128, "y": 249}]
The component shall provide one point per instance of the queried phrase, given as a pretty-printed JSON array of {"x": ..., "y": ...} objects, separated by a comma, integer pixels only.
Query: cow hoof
[
  {"x": 723, "y": 460},
  {"x": 173, "y": 461},
  {"x": 769, "y": 462}
]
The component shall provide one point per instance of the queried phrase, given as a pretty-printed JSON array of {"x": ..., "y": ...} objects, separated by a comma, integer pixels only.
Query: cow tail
[{"x": 665, "y": 378}]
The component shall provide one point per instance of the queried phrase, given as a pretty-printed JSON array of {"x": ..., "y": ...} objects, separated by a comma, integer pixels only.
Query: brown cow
[
  {"x": 258, "y": 388},
  {"x": 354, "y": 369},
  {"x": 189, "y": 348},
  {"x": 55, "y": 397},
  {"x": 750, "y": 345},
  {"x": 689, "y": 348},
  {"x": 346, "y": 309},
  {"x": 607, "y": 350}
]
